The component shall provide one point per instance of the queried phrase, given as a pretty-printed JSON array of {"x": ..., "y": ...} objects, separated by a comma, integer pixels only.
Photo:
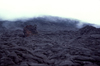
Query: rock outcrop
[
  {"x": 30, "y": 30},
  {"x": 87, "y": 30}
]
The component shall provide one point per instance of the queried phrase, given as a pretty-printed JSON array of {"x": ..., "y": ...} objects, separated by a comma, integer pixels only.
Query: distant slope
[{"x": 48, "y": 23}]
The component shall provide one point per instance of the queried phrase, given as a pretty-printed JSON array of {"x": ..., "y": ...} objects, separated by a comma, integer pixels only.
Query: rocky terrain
[{"x": 50, "y": 47}]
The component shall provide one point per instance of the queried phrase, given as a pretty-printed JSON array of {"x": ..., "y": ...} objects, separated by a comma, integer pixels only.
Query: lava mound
[{"x": 89, "y": 30}]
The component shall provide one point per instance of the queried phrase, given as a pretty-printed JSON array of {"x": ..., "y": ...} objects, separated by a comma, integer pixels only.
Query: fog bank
[{"x": 83, "y": 10}]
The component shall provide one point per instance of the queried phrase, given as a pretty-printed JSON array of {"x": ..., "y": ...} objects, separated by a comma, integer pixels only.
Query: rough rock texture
[
  {"x": 60, "y": 48},
  {"x": 89, "y": 30},
  {"x": 30, "y": 30}
]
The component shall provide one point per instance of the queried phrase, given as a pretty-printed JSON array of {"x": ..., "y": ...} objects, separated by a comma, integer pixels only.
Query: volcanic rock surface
[{"x": 51, "y": 48}]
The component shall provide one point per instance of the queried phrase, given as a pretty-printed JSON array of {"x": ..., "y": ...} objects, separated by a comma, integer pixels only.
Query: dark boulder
[{"x": 30, "y": 30}]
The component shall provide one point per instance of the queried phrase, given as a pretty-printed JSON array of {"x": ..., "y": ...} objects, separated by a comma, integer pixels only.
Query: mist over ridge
[
  {"x": 52, "y": 23},
  {"x": 83, "y": 10}
]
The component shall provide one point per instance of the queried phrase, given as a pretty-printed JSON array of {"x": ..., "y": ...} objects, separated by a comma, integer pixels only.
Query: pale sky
[{"x": 84, "y": 10}]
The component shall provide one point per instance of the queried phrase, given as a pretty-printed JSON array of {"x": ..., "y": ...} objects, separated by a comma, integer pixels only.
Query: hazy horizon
[{"x": 83, "y": 10}]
